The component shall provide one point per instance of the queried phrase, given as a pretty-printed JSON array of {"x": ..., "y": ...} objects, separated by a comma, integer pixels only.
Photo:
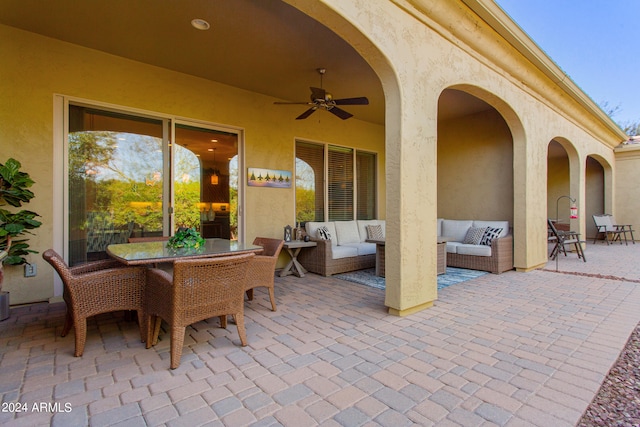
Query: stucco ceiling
[{"x": 264, "y": 46}]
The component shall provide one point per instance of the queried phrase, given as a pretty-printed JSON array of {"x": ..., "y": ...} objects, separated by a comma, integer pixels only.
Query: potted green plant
[
  {"x": 14, "y": 225},
  {"x": 187, "y": 238}
]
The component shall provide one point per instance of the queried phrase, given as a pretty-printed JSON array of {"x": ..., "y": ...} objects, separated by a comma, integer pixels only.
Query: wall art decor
[{"x": 260, "y": 177}]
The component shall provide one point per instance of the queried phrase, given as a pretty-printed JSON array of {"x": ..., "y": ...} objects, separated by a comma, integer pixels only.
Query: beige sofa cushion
[
  {"x": 455, "y": 230},
  {"x": 347, "y": 232},
  {"x": 365, "y": 248},
  {"x": 348, "y": 251},
  {"x": 477, "y": 250}
]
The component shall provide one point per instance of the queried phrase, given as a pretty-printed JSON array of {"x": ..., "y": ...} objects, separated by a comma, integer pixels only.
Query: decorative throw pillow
[
  {"x": 374, "y": 232},
  {"x": 323, "y": 233},
  {"x": 490, "y": 234},
  {"x": 474, "y": 235}
]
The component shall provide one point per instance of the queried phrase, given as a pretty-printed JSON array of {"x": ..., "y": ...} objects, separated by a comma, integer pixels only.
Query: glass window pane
[
  {"x": 366, "y": 189},
  {"x": 115, "y": 180},
  {"x": 309, "y": 182},
  {"x": 206, "y": 181},
  {"x": 340, "y": 178}
]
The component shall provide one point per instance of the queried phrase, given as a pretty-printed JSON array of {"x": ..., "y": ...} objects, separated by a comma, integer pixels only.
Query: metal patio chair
[
  {"x": 611, "y": 231},
  {"x": 562, "y": 239}
]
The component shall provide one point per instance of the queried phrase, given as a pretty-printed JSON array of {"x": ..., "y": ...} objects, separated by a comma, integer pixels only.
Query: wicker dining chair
[
  {"x": 262, "y": 268},
  {"x": 95, "y": 288},
  {"x": 199, "y": 289}
]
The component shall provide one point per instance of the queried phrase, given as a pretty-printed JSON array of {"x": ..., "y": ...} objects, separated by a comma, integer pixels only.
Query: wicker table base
[{"x": 441, "y": 267}]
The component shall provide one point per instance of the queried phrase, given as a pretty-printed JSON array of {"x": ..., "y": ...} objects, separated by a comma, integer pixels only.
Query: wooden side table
[
  {"x": 380, "y": 258},
  {"x": 293, "y": 248}
]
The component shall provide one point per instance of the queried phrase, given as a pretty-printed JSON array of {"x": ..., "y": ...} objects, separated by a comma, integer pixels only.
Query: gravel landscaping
[{"x": 617, "y": 403}]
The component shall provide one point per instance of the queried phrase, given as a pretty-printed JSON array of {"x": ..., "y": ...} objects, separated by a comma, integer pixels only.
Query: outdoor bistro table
[{"x": 141, "y": 253}]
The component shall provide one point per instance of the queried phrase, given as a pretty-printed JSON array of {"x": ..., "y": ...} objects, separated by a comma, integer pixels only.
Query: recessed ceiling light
[{"x": 200, "y": 24}]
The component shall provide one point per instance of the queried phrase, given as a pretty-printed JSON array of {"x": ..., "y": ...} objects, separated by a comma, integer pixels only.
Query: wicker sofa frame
[
  {"x": 319, "y": 260},
  {"x": 501, "y": 258}
]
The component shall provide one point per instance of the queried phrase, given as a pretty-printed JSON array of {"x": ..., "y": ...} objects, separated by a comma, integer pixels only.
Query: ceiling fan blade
[
  {"x": 306, "y": 113},
  {"x": 340, "y": 113},
  {"x": 317, "y": 93},
  {"x": 293, "y": 103},
  {"x": 352, "y": 101}
]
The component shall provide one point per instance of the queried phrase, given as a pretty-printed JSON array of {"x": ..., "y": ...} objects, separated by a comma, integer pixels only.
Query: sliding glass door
[
  {"x": 125, "y": 179},
  {"x": 115, "y": 180},
  {"x": 206, "y": 180}
]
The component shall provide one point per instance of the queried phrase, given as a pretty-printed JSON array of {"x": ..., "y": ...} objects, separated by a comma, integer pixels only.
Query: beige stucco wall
[
  {"x": 34, "y": 68},
  {"x": 475, "y": 168},
  {"x": 418, "y": 49},
  {"x": 627, "y": 208}
]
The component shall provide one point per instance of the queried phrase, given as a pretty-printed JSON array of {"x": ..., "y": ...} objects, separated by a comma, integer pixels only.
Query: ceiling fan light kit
[{"x": 321, "y": 99}]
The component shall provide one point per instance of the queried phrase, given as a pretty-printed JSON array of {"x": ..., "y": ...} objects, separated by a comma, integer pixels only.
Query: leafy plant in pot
[{"x": 14, "y": 191}]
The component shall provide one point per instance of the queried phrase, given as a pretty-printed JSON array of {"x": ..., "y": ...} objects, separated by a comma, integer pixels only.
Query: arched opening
[
  {"x": 475, "y": 159},
  {"x": 561, "y": 182},
  {"x": 596, "y": 191}
]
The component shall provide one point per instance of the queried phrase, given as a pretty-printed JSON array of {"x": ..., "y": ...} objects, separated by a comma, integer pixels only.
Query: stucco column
[
  {"x": 530, "y": 202},
  {"x": 411, "y": 155},
  {"x": 578, "y": 185}
]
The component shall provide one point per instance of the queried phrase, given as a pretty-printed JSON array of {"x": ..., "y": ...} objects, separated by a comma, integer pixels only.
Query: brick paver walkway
[{"x": 510, "y": 350}]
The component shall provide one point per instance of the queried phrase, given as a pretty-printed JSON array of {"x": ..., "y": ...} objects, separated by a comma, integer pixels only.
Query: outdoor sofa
[
  {"x": 346, "y": 248},
  {"x": 477, "y": 245},
  {"x": 343, "y": 248}
]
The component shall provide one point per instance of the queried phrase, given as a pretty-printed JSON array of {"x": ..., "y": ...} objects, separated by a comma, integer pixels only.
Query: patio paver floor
[{"x": 511, "y": 349}]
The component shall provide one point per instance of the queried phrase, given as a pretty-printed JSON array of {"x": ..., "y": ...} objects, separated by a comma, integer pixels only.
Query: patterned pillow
[
  {"x": 474, "y": 235},
  {"x": 374, "y": 232},
  {"x": 490, "y": 234},
  {"x": 323, "y": 233}
]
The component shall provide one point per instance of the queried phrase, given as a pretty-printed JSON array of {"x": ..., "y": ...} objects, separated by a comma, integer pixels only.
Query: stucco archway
[
  {"x": 486, "y": 117},
  {"x": 598, "y": 190},
  {"x": 475, "y": 159},
  {"x": 564, "y": 176}
]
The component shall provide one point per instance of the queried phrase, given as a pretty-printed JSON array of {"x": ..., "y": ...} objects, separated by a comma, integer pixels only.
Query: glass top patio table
[{"x": 157, "y": 252}]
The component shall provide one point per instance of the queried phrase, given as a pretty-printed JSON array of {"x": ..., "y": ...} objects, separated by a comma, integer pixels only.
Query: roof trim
[{"x": 506, "y": 27}]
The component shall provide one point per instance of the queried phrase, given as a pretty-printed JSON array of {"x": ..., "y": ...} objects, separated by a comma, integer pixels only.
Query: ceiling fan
[{"x": 321, "y": 99}]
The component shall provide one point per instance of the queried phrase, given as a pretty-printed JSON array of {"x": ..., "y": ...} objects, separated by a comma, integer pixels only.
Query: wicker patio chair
[
  {"x": 95, "y": 288},
  {"x": 199, "y": 289},
  {"x": 563, "y": 239},
  {"x": 262, "y": 268}
]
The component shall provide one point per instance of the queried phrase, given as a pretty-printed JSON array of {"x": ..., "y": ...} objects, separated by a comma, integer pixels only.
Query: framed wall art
[{"x": 261, "y": 177}]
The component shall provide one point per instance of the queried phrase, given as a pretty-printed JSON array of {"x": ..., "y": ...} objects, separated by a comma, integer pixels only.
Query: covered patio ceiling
[{"x": 264, "y": 46}]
